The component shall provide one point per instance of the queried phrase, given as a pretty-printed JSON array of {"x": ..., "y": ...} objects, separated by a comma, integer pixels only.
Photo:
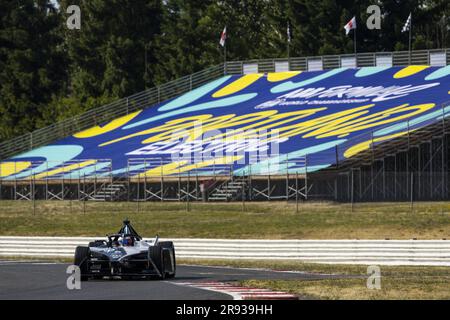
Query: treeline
[{"x": 48, "y": 72}]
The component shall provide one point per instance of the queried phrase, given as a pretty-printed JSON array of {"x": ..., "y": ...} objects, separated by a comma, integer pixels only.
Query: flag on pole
[
  {"x": 407, "y": 25},
  {"x": 223, "y": 37},
  {"x": 350, "y": 25},
  {"x": 288, "y": 32}
]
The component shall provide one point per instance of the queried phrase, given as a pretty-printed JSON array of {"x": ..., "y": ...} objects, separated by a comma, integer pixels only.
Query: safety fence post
[
  {"x": 296, "y": 192},
  {"x": 188, "y": 191},
  {"x": 162, "y": 180},
  {"x": 306, "y": 177},
  {"x": 138, "y": 191}
]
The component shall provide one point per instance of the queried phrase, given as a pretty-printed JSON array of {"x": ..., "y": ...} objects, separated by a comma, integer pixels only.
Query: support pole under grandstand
[
  {"x": 352, "y": 188},
  {"x": 188, "y": 191},
  {"x": 33, "y": 195},
  {"x": 412, "y": 192},
  {"x": 243, "y": 196},
  {"x": 306, "y": 177},
  {"x": 137, "y": 200},
  {"x": 296, "y": 192},
  {"x": 179, "y": 184}
]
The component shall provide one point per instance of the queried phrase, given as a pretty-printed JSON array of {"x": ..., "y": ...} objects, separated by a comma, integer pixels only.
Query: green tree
[
  {"x": 108, "y": 53},
  {"x": 48, "y": 72},
  {"x": 32, "y": 63},
  {"x": 188, "y": 41}
]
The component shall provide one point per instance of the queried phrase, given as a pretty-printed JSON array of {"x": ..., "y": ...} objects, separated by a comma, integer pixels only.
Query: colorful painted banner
[{"x": 259, "y": 123}]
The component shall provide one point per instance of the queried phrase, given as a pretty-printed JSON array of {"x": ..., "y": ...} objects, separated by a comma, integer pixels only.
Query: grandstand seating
[{"x": 288, "y": 122}]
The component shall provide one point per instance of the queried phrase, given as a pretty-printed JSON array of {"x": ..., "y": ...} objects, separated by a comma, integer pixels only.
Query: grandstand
[{"x": 368, "y": 127}]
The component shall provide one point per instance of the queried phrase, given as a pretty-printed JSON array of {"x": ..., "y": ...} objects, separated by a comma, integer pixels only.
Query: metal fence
[
  {"x": 369, "y": 59},
  {"x": 182, "y": 85}
]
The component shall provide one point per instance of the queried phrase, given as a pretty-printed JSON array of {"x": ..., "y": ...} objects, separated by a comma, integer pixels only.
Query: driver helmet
[{"x": 127, "y": 241}]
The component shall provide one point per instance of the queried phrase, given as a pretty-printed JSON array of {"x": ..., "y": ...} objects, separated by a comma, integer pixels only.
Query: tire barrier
[{"x": 381, "y": 252}]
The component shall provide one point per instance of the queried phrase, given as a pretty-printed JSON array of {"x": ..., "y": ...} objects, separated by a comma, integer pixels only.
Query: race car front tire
[
  {"x": 82, "y": 255},
  {"x": 156, "y": 255},
  {"x": 169, "y": 262}
]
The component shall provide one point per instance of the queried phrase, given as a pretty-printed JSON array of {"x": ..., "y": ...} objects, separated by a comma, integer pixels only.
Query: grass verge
[
  {"x": 397, "y": 282},
  {"x": 257, "y": 220},
  {"x": 392, "y": 288}
]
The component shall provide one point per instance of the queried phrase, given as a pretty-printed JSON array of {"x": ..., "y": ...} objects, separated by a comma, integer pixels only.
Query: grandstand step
[
  {"x": 221, "y": 194},
  {"x": 108, "y": 192},
  {"x": 217, "y": 199},
  {"x": 228, "y": 191}
]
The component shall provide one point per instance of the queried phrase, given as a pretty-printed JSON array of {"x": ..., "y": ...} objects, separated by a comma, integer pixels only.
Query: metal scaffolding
[
  {"x": 155, "y": 179},
  {"x": 411, "y": 167}
]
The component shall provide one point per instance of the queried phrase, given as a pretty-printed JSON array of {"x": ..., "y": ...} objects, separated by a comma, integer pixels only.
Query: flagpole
[
  {"x": 288, "y": 51},
  {"x": 409, "y": 46},
  {"x": 223, "y": 43},
  {"x": 225, "y": 58},
  {"x": 354, "y": 40},
  {"x": 288, "y": 40}
]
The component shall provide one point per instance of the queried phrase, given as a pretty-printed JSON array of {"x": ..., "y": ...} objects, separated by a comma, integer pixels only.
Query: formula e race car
[{"x": 126, "y": 255}]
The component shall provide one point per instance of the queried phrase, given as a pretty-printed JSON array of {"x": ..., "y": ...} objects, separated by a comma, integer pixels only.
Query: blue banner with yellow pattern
[{"x": 255, "y": 122}]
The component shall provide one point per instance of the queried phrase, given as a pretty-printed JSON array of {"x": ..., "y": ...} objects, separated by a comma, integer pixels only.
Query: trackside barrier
[{"x": 380, "y": 252}]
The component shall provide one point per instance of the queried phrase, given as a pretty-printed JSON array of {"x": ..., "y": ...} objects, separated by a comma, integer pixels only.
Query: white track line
[
  {"x": 13, "y": 262},
  {"x": 262, "y": 269}
]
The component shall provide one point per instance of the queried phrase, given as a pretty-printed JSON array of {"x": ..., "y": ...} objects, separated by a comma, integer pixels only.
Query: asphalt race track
[{"x": 43, "y": 280}]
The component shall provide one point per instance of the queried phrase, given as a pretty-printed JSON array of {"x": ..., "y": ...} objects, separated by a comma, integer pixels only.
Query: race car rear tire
[
  {"x": 82, "y": 255},
  {"x": 169, "y": 245},
  {"x": 156, "y": 255}
]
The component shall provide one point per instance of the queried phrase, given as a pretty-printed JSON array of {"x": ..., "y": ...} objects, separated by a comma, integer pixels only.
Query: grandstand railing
[
  {"x": 153, "y": 96},
  {"x": 367, "y": 59}
]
